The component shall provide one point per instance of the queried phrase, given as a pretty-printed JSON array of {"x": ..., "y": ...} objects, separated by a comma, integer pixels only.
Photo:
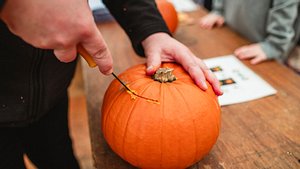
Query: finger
[
  {"x": 190, "y": 64},
  {"x": 153, "y": 63},
  {"x": 200, "y": 22},
  {"x": 256, "y": 60},
  {"x": 66, "y": 55},
  {"x": 205, "y": 24},
  {"x": 220, "y": 22},
  {"x": 237, "y": 51},
  {"x": 241, "y": 50},
  {"x": 197, "y": 75},
  {"x": 211, "y": 78},
  {"x": 96, "y": 46},
  {"x": 210, "y": 25},
  {"x": 245, "y": 53}
]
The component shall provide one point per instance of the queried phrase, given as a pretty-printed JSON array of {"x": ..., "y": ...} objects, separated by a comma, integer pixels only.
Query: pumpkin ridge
[
  {"x": 195, "y": 128},
  {"x": 178, "y": 155},
  {"x": 108, "y": 114},
  {"x": 202, "y": 93},
  {"x": 216, "y": 118},
  {"x": 116, "y": 101},
  {"x": 108, "y": 111},
  {"x": 128, "y": 120},
  {"x": 195, "y": 86},
  {"x": 125, "y": 131},
  {"x": 161, "y": 93}
]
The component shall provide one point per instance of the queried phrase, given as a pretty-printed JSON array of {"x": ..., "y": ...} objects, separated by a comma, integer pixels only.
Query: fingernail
[
  {"x": 110, "y": 72},
  {"x": 150, "y": 68},
  {"x": 204, "y": 84},
  {"x": 106, "y": 72}
]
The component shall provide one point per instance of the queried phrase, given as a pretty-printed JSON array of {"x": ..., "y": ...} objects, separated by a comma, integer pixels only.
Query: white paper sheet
[
  {"x": 96, "y": 4},
  {"x": 184, "y": 5},
  {"x": 240, "y": 84}
]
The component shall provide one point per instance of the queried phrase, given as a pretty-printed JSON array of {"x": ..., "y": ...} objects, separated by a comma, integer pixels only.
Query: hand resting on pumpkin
[{"x": 160, "y": 47}]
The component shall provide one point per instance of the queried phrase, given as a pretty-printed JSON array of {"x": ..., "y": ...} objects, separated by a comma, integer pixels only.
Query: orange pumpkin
[
  {"x": 173, "y": 133},
  {"x": 169, "y": 14}
]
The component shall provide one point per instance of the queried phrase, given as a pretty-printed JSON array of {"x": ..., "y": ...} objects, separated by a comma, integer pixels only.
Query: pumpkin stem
[{"x": 164, "y": 75}]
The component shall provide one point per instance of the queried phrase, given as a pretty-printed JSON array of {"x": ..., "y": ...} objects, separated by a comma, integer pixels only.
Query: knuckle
[
  {"x": 101, "y": 52},
  {"x": 106, "y": 68},
  {"x": 62, "y": 41},
  {"x": 205, "y": 68},
  {"x": 41, "y": 43},
  {"x": 192, "y": 67},
  {"x": 84, "y": 29}
]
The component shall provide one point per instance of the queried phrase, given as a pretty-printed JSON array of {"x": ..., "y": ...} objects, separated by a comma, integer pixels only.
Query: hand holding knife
[{"x": 88, "y": 58}]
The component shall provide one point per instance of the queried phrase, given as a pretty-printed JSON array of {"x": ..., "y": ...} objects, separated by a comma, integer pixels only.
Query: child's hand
[
  {"x": 253, "y": 52},
  {"x": 211, "y": 20}
]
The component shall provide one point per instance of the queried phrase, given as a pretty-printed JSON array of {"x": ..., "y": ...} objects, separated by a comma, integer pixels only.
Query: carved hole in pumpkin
[{"x": 133, "y": 95}]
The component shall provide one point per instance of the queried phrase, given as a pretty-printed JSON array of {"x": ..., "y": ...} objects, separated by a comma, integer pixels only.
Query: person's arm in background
[
  {"x": 280, "y": 28},
  {"x": 215, "y": 17},
  {"x": 150, "y": 37},
  {"x": 58, "y": 25},
  {"x": 218, "y": 7}
]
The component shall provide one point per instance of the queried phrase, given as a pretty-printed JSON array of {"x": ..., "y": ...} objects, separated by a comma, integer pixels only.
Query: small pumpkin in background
[
  {"x": 174, "y": 132},
  {"x": 169, "y": 14}
]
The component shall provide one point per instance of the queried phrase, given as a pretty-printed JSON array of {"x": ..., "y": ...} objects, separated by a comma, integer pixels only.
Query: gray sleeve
[
  {"x": 280, "y": 29},
  {"x": 218, "y": 7}
]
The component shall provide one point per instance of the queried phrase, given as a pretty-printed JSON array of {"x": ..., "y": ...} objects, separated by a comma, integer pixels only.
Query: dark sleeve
[
  {"x": 1, "y": 3},
  {"x": 208, "y": 4},
  {"x": 139, "y": 19}
]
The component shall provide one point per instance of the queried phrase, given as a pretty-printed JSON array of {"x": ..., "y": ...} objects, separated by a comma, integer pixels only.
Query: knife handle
[{"x": 86, "y": 56}]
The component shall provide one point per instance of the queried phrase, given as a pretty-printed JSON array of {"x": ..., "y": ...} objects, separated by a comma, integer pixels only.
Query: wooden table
[{"x": 264, "y": 133}]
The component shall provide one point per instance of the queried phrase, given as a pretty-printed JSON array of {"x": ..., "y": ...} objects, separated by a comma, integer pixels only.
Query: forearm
[
  {"x": 218, "y": 7},
  {"x": 138, "y": 18},
  {"x": 281, "y": 30}
]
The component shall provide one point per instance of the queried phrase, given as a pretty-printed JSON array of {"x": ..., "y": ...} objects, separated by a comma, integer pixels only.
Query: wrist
[{"x": 155, "y": 37}]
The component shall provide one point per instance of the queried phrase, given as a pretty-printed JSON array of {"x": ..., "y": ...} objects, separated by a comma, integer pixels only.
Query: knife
[{"x": 88, "y": 58}]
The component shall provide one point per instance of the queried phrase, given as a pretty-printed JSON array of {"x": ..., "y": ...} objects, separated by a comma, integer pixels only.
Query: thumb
[
  {"x": 97, "y": 48},
  {"x": 153, "y": 63}
]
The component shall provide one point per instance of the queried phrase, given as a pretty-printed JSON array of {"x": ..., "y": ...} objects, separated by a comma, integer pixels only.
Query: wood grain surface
[{"x": 263, "y": 133}]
